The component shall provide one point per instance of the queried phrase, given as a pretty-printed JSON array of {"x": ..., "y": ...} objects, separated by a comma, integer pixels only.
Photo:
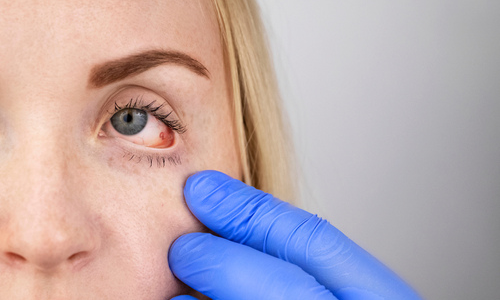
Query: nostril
[
  {"x": 77, "y": 256},
  {"x": 16, "y": 258},
  {"x": 80, "y": 260}
]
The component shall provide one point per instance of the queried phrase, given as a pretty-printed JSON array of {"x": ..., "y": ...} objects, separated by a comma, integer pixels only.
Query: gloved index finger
[
  {"x": 249, "y": 216},
  {"x": 240, "y": 212}
]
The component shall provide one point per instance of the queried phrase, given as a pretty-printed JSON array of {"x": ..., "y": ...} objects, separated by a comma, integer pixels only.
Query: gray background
[{"x": 395, "y": 111}]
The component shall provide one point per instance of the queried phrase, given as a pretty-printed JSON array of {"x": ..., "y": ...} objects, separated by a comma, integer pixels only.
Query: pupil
[{"x": 128, "y": 118}]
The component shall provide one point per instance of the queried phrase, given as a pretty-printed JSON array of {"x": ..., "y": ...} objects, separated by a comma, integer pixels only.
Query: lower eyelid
[{"x": 127, "y": 152}]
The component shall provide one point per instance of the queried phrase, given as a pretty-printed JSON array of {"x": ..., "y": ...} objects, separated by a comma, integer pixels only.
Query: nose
[
  {"x": 51, "y": 238},
  {"x": 45, "y": 223},
  {"x": 47, "y": 242}
]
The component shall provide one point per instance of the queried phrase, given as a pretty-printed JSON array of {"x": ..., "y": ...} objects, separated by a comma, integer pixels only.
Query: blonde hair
[{"x": 264, "y": 145}]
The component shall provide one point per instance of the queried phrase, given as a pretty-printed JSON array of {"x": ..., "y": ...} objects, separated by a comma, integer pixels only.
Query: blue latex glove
[{"x": 269, "y": 249}]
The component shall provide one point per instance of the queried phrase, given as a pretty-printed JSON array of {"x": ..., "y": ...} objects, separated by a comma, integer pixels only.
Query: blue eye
[{"x": 129, "y": 121}]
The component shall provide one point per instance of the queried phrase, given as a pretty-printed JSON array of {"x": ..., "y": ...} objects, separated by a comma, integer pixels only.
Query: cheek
[{"x": 139, "y": 217}]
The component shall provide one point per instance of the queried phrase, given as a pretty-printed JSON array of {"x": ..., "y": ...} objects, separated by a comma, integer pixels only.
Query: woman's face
[{"x": 106, "y": 107}]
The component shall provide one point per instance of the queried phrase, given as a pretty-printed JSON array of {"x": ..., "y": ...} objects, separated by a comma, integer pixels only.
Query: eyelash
[
  {"x": 158, "y": 160},
  {"x": 137, "y": 103}
]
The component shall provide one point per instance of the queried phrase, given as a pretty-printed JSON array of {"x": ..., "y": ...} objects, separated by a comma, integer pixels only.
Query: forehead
[{"x": 56, "y": 31}]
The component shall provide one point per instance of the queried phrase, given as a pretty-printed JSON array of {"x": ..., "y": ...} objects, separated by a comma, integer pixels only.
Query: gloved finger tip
[
  {"x": 202, "y": 183},
  {"x": 185, "y": 244},
  {"x": 184, "y": 297}
]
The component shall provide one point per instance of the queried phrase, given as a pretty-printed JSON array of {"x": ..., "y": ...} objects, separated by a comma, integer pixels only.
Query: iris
[{"x": 129, "y": 121}]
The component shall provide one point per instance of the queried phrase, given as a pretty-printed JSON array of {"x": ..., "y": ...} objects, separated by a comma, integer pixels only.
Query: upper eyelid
[
  {"x": 115, "y": 97},
  {"x": 136, "y": 103}
]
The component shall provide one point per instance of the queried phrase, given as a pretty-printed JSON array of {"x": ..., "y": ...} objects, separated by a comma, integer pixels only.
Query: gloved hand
[{"x": 269, "y": 249}]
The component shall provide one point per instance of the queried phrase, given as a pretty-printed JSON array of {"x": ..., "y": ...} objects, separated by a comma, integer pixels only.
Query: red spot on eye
[{"x": 165, "y": 139}]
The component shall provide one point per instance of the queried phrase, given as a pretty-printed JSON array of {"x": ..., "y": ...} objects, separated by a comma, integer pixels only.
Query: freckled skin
[{"x": 79, "y": 219}]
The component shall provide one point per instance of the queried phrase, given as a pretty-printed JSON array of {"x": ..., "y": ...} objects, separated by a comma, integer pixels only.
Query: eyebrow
[{"x": 115, "y": 70}]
